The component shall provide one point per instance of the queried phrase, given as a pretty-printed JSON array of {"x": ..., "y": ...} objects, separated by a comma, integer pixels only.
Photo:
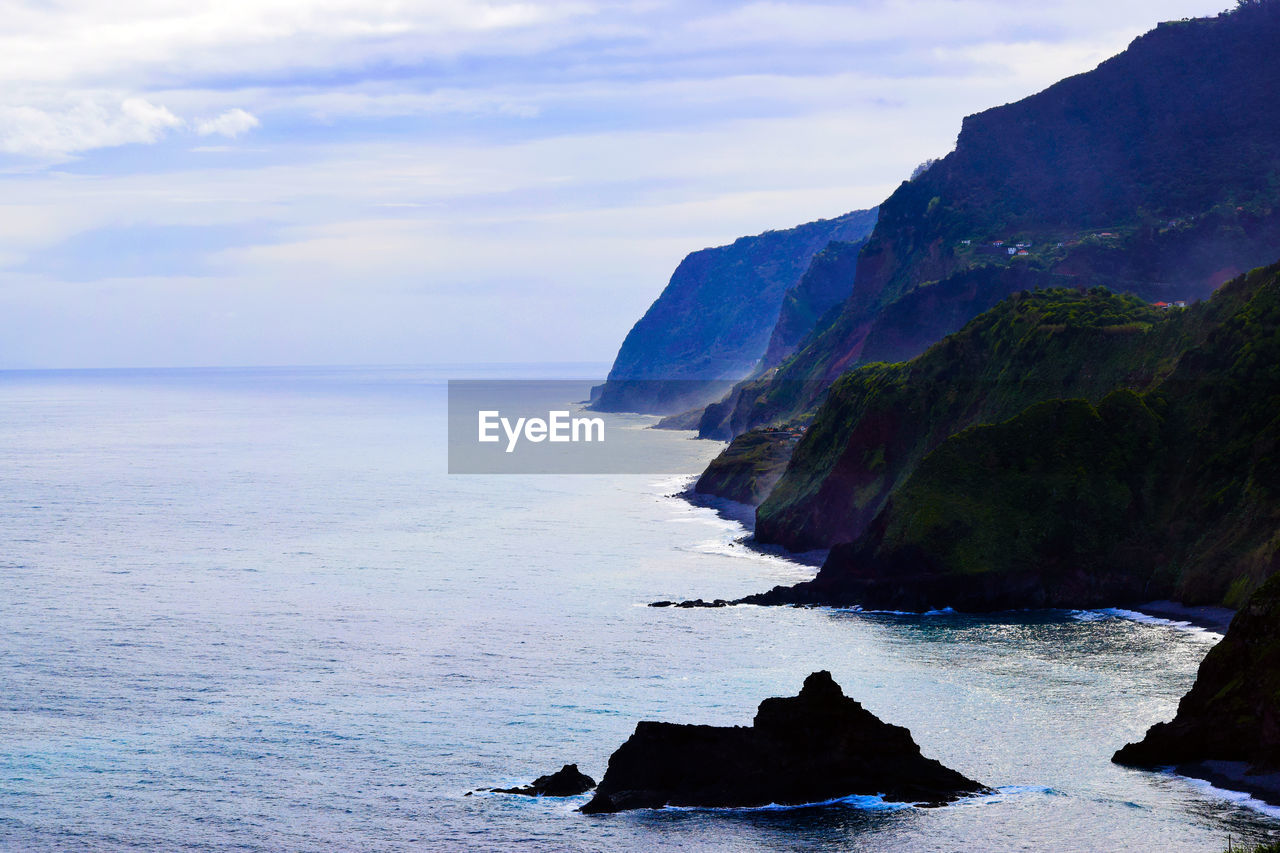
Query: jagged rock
[
  {"x": 694, "y": 603},
  {"x": 568, "y": 781},
  {"x": 818, "y": 746}
]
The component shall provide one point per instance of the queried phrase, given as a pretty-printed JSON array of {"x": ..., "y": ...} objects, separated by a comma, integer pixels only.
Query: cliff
[
  {"x": 749, "y": 467},
  {"x": 1154, "y": 174},
  {"x": 1172, "y": 493},
  {"x": 880, "y": 420},
  {"x": 1227, "y": 728},
  {"x": 825, "y": 285},
  {"x": 713, "y": 321}
]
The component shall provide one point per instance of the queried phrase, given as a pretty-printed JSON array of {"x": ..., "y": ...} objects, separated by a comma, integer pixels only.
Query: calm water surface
[{"x": 248, "y": 610}]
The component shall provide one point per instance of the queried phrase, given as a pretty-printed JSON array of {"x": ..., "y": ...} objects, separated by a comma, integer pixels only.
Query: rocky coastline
[{"x": 1227, "y": 728}]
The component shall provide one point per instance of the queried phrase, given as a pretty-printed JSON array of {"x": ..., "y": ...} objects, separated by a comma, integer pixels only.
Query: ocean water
[{"x": 249, "y": 610}]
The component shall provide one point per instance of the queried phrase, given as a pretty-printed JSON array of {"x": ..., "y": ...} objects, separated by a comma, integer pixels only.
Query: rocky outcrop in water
[
  {"x": 815, "y": 747},
  {"x": 1227, "y": 728},
  {"x": 568, "y": 781}
]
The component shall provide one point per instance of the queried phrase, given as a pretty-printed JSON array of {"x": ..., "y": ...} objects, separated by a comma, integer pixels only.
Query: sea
[{"x": 250, "y": 610}]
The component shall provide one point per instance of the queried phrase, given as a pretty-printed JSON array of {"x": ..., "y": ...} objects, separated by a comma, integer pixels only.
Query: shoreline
[
  {"x": 1208, "y": 617},
  {"x": 745, "y": 514},
  {"x": 1228, "y": 778},
  {"x": 1231, "y": 780}
]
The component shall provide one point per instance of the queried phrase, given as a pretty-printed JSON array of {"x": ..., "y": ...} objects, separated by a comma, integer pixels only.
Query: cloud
[
  {"x": 55, "y": 128},
  {"x": 79, "y": 42},
  {"x": 442, "y": 180},
  {"x": 230, "y": 124},
  {"x": 85, "y": 124}
]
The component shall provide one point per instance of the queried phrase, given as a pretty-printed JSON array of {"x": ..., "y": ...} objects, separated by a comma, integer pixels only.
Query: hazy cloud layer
[{"x": 342, "y": 181}]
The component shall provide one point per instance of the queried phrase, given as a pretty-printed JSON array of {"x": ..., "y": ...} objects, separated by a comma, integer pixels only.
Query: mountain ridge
[{"x": 1151, "y": 174}]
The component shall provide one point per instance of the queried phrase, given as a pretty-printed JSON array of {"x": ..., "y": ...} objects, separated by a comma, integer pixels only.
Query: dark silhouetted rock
[
  {"x": 568, "y": 781},
  {"x": 1227, "y": 729},
  {"x": 815, "y": 747},
  {"x": 695, "y": 603}
]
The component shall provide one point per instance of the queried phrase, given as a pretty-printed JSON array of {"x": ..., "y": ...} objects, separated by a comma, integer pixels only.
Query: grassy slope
[
  {"x": 880, "y": 420},
  {"x": 748, "y": 468},
  {"x": 1174, "y": 492}
]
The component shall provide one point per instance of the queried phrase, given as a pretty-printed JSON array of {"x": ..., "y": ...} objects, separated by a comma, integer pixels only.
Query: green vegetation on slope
[
  {"x": 1048, "y": 493},
  {"x": 1174, "y": 492},
  {"x": 749, "y": 466},
  {"x": 880, "y": 420}
]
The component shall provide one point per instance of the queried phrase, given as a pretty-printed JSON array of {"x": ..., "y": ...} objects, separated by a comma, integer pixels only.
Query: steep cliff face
[
  {"x": 825, "y": 285},
  {"x": 1171, "y": 493},
  {"x": 1020, "y": 514},
  {"x": 1183, "y": 121},
  {"x": 749, "y": 467},
  {"x": 1157, "y": 174},
  {"x": 1232, "y": 714},
  {"x": 901, "y": 331},
  {"x": 713, "y": 321}
]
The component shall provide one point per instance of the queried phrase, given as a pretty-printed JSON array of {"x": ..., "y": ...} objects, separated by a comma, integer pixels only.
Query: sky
[{"x": 266, "y": 182}]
